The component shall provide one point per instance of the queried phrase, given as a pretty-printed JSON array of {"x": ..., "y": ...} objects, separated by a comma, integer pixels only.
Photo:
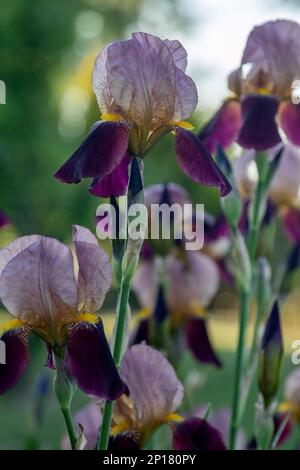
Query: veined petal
[
  {"x": 14, "y": 248},
  {"x": 224, "y": 126},
  {"x": 95, "y": 273},
  {"x": 114, "y": 184},
  {"x": 197, "y": 434},
  {"x": 38, "y": 284},
  {"x": 178, "y": 52},
  {"x": 152, "y": 384},
  {"x": 141, "y": 75},
  {"x": 289, "y": 118},
  {"x": 199, "y": 343},
  {"x": 89, "y": 361},
  {"x": 100, "y": 153},
  {"x": 16, "y": 358},
  {"x": 259, "y": 130},
  {"x": 186, "y": 97},
  {"x": 196, "y": 161}
]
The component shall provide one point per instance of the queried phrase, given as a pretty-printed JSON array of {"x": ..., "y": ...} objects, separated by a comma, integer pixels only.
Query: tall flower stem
[
  {"x": 69, "y": 425},
  {"x": 235, "y": 417},
  {"x": 126, "y": 262},
  {"x": 117, "y": 356}
]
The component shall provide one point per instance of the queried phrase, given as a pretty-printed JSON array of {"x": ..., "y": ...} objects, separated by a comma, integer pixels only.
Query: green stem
[
  {"x": 70, "y": 427},
  {"x": 117, "y": 356},
  {"x": 254, "y": 229},
  {"x": 235, "y": 418}
]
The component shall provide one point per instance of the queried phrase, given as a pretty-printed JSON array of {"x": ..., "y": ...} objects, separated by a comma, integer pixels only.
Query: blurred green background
[{"x": 47, "y": 50}]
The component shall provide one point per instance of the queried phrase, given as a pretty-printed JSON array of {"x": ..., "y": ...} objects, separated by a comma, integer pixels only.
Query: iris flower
[
  {"x": 143, "y": 93},
  {"x": 264, "y": 89},
  {"x": 47, "y": 297},
  {"x": 4, "y": 220},
  {"x": 284, "y": 190},
  {"x": 182, "y": 287},
  {"x": 153, "y": 396},
  {"x": 292, "y": 395}
]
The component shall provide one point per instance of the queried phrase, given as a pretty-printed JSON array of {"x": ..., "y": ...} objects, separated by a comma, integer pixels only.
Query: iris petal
[
  {"x": 196, "y": 161},
  {"x": 197, "y": 434},
  {"x": 199, "y": 343},
  {"x": 99, "y": 154},
  {"x": 89, "y": 361},
  {"x": 289, "y": 118},
  {"x": 114, "y": 184},
  {"x": 16, "y": 358},
  {"x": 259, "y": 130}
]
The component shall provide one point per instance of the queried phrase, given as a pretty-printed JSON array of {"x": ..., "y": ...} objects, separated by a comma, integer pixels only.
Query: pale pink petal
[
  {"x": 38, "y": 284},
  {"x": 186, "y": 98},
  {"x": 14, "y": 248},
  {"x": 95, "y": 273},
  {"x": 100, "y": 82},
  {"x": 285, "y": 186},
  {"x": 193, "y": 282},
  {"x": 273, "y": 49},
  {"x": 152, "y": 384},
  {"x": 144, "y": 284}
]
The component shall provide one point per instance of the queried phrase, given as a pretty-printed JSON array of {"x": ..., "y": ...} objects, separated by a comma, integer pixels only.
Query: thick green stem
[
  {"x": 117, "y": 356},
  {"x": 70, "y": 427},
  {"x": 235, "y": 417}
]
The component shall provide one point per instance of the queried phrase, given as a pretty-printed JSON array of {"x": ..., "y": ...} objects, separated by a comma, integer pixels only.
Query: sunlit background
[{"x": 47, "y": 49}]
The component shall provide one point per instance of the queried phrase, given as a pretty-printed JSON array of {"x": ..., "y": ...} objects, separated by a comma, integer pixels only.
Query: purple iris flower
[
  {"x": 264, "y": 89},
  {"x": 47, "y": 296},
  {"x": 143, "y": 93}
]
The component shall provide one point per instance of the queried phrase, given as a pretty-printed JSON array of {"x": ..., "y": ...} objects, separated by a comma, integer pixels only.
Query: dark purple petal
[
  {"x": 141, "y": 333},
  {"x": 196, "y": 161},
  {"x": 289, "y": 118},
  {"x": 272, "y": 332},
  {"x": 147, "y": 251},
  {"x": 4, "y": 220},
  {"x": 199, "y": 343},
  {"x": 114, "y": 184},
  {"x": 197, "y": 434},
  {"x": 124, "y": 441},
  {"x": 16, "y": 357},
  {"x": 89, "y": 361},
  {"x": 100, "y": 153},
  {"x": 224, "y": 126},
  {"x": 259, "y": 130},
  {"x": 50, "y": 359},
  {"x": 291, "y": 220},
  {"x": 287, "y": 431}
]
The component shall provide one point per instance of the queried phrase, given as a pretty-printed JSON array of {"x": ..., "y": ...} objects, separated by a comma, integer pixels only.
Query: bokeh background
[{"x": 47, "y": 49}]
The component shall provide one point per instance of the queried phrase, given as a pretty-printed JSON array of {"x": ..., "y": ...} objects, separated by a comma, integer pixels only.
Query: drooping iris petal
[
  {"x": 289, "y": 118},
  {"x": 114, "y": 184},
  {"x": 89, "y": 361},
  {"x": 224, "y": 126},
  {"x": 152, "y": 384},
  {"x": 259, "y": 130},
  {"x": 266, "y": 50},
  {"x": 4, "y": 220},
  {"x": 192, "y": 282},
  {"x": 197, "y": 434},
  {"x": 16, "y": 358},
  {"x": 95, "y": 273},
  {"x": 100, "y": 153},
  {"x": 199, "y": 343},
  {"x": 196, "y": 161},
  {"x": 141, "y": 333},
  {"x": 38, "y": 284}
]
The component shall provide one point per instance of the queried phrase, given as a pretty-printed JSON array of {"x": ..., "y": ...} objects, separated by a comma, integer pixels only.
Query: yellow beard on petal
[
  {"x": 112, "y": 117},
  {"x": 183, "y": 124},
  {"x": 12, "y": 324}
]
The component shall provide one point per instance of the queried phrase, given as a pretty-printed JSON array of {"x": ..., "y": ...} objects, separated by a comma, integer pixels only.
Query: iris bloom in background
[
  {"x": 4, "y": 220},
  {"x": 292, "y": 395},
  {"x": 39, "y": 287},
  {"x": 143, "y": 93},
  {"x": 284, "y": 190},
  {"x": 153, "y": 396},
  {"x": 264, "y": 89},
  {"x": 176, "y": 287}
]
